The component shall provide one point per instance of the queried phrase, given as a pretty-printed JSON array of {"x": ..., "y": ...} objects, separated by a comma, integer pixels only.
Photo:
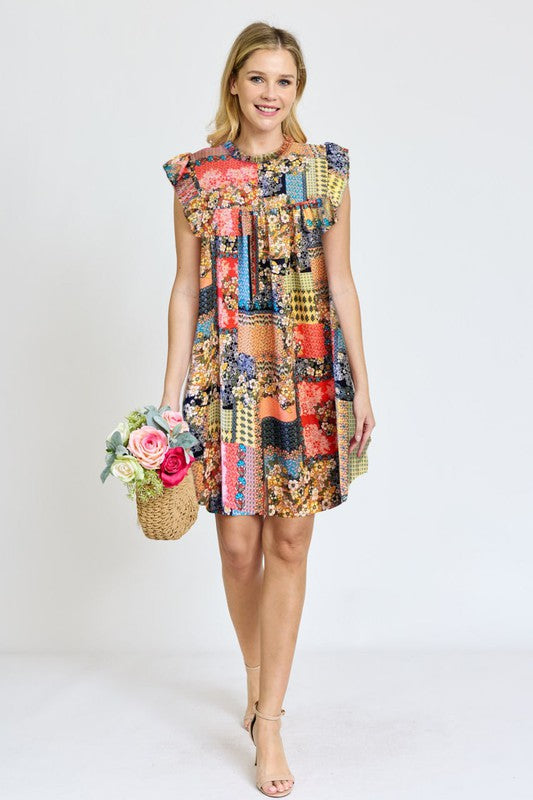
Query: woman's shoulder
[
  {"x": 336, "y": 155},
  {"x": 323, "y": 149},
  {"x": 330, "y": 159},
  {"x": 188, "y": 158}
]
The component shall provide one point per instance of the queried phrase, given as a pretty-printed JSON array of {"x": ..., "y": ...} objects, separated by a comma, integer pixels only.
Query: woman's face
[{"x": 266, "y": 87}]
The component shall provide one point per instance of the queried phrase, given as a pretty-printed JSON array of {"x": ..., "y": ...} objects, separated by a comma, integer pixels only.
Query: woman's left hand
[{"x": 365, "y": 422}]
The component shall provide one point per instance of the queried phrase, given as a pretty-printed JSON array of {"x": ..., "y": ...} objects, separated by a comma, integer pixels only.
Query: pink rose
[
  {"x": 148, "y": 445},
  {"x": 175, "y": 418},
  {"x": 174, "y": 466}
]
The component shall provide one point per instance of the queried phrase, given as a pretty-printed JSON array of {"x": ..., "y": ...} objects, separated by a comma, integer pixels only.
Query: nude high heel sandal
[
  {"x": 248, "y": 716},
  {"x": 261, "y": 776}
]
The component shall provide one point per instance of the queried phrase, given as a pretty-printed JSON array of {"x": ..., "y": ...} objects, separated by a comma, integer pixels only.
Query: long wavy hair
[{"x": 256, "y": 36}]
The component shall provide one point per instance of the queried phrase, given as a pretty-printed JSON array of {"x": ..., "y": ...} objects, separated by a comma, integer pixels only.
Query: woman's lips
[{"x": 267, "y": 113}]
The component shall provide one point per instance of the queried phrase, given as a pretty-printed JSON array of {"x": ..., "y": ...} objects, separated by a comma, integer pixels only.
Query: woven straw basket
[{"x": 171, "y": 514}]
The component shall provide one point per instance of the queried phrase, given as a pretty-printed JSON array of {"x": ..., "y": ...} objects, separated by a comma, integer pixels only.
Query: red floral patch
[{"x": 317, "y": 415}]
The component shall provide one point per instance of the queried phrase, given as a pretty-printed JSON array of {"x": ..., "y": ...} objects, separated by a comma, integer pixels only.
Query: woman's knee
[
  {"x": 240, "y": 541},
  {"x": 287, "y": 539}
]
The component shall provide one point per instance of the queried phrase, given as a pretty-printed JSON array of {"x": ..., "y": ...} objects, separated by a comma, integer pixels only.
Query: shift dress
[{"x": 269, "y": 392}]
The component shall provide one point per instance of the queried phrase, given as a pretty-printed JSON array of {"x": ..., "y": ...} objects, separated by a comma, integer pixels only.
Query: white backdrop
[{"x": 433, "y": 547}]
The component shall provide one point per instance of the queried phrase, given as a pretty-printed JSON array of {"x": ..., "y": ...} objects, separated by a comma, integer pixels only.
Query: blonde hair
[{"x": 256, "y": 36}]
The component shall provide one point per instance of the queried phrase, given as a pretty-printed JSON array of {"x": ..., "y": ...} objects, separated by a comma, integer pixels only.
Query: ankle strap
[
  {"x": 267, "y": 716},
  {"x": 247, "y": 667}
]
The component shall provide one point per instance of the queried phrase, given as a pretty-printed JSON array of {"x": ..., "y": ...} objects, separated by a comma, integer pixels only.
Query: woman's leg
[
  {"x": 285, "y": 544},
  {"x": 265, "y": 608},
  {"x": 239, "y": 541}
]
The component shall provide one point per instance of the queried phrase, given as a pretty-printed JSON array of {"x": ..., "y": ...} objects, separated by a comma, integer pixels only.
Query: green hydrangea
[
  {"x": 136, "y": 420},
  {"x": 150, "y": 486}
]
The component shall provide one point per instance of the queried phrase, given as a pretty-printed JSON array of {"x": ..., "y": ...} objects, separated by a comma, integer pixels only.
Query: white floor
[{"x": 369, "y": 725}]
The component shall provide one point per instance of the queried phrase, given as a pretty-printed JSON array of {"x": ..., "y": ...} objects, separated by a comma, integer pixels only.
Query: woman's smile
[{"x": 267, "y": 111}]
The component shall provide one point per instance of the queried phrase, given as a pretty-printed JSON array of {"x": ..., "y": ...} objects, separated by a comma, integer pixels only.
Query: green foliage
[
  {"x": 184, "y": 439},
  {"x": 136, "y": 420},
  {"x": 154, "y": 418},
  {"x": 151, "y": 486},
  {"x": 113, "y": 448}
]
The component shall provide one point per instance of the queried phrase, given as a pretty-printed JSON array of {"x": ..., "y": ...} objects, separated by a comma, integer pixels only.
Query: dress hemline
[{"x": 236, "y": 513}]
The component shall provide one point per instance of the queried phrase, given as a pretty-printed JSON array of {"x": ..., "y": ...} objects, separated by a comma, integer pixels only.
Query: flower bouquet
[{"x": 150, "y": 452}]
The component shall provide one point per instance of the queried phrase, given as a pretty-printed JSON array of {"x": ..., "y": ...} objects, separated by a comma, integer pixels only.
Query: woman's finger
[{"x": 362, "y": 441}]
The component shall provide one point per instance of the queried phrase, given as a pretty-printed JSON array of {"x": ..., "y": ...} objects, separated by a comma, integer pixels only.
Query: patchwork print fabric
[{"x": 269, "y": 392}]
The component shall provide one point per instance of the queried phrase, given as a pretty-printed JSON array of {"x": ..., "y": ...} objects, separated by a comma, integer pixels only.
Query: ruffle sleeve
[
  {"x": 338, "y": 173},
  {"x": 180, "y": 172}
]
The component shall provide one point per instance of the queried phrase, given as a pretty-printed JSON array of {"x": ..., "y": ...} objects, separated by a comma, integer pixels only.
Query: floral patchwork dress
[{"x": 269, "y": 393}]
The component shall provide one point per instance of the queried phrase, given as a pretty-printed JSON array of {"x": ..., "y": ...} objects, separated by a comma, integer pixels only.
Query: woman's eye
[{"x": 283, "y": 80}]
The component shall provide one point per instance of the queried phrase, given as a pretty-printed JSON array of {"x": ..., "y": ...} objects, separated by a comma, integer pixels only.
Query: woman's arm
[
  {"x": 336, "y": 245},
  {"x": 183, "y": 308}
]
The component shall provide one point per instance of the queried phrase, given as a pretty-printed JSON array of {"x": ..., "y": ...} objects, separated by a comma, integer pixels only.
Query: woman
[{"x": 264, "y": 316}]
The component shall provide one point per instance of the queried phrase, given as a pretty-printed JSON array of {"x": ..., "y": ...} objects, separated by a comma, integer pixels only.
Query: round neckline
[{"x": 241, "y": 156}]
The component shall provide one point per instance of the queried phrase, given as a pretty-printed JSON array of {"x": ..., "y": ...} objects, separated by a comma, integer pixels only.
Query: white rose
[{"x": 127, "y": 469}]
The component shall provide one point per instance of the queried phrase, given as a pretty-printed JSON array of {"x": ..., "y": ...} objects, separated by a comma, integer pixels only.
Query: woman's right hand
[{"x": 167, "y": 400}]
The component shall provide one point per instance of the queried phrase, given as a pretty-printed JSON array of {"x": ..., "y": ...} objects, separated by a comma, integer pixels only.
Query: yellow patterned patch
[
  {"x": 213, "y": 418},
  {"x": 337, "y": 184},
  {"x": 303, "y": 296},
  {"x": 317, "y": 177},
  {"x": 245, "y": 423},
  {"x": 226, "y": 419}
]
